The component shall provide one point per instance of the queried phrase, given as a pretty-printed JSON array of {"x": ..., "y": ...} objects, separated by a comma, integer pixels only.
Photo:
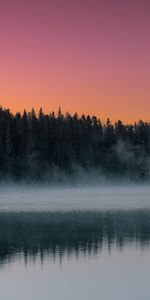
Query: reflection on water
[
  {"x": 75, "y": 243},
  {"x": 56, "y": 234}
]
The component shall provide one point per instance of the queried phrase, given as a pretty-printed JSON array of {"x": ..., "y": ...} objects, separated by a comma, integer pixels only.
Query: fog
[{"x": 73, "y": 198}]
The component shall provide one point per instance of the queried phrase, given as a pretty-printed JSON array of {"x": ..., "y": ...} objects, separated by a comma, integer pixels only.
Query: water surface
[{"x": 75, "y": 243}]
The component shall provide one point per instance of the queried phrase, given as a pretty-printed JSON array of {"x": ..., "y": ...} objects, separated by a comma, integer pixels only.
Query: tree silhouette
[{"x": 52, "y": 146}]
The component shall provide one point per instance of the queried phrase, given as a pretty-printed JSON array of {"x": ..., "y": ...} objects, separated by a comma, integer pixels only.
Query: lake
[{"x": 75, "y": 243}]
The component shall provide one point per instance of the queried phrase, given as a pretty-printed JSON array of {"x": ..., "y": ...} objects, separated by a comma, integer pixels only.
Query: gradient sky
[{"x": 84, "y": 55}]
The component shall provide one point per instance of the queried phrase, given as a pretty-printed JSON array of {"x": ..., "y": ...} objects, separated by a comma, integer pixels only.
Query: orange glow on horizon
[{"x": 85, "y": 56}]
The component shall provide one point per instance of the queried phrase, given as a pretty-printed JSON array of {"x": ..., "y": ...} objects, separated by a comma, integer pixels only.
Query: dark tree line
[{"x": 52, "y": 146}]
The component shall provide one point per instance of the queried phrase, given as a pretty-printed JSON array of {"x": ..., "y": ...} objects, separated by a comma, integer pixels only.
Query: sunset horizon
[
  {"x": 88, "y": 57},
  {"x": 102, "y": 117}
]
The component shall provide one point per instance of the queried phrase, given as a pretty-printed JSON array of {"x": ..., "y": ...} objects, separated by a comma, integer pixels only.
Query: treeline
[{"x": 54, "y": 147}]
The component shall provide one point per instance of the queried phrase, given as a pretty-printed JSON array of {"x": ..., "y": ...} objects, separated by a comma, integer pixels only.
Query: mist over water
[
  {"x": 42, "y": 198},
  {"x": 75, "y": 242}
]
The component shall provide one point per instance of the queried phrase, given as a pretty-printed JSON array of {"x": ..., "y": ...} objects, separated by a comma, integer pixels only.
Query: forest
[{"x": 57, "y": 148}]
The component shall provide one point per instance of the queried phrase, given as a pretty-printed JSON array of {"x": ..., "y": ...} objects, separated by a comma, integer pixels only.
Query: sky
[{"x": 87, "y": 56}]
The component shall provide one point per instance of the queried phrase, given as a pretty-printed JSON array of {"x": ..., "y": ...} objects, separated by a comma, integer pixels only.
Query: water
[{"x": 75, "y": 243}]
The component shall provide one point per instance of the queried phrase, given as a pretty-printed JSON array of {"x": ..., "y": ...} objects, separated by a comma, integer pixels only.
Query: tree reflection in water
[{"x": 59, "y": 233}]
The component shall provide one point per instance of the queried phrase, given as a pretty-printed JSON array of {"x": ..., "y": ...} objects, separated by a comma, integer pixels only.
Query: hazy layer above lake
[{"x": 43, "y": 198}]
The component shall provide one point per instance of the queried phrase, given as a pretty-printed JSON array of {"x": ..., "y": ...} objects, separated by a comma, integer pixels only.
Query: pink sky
[{"x": 86, "y": 56}]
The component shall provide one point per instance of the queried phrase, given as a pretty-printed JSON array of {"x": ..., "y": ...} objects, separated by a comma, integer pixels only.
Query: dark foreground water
[{"x": 75, "y": 243}]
